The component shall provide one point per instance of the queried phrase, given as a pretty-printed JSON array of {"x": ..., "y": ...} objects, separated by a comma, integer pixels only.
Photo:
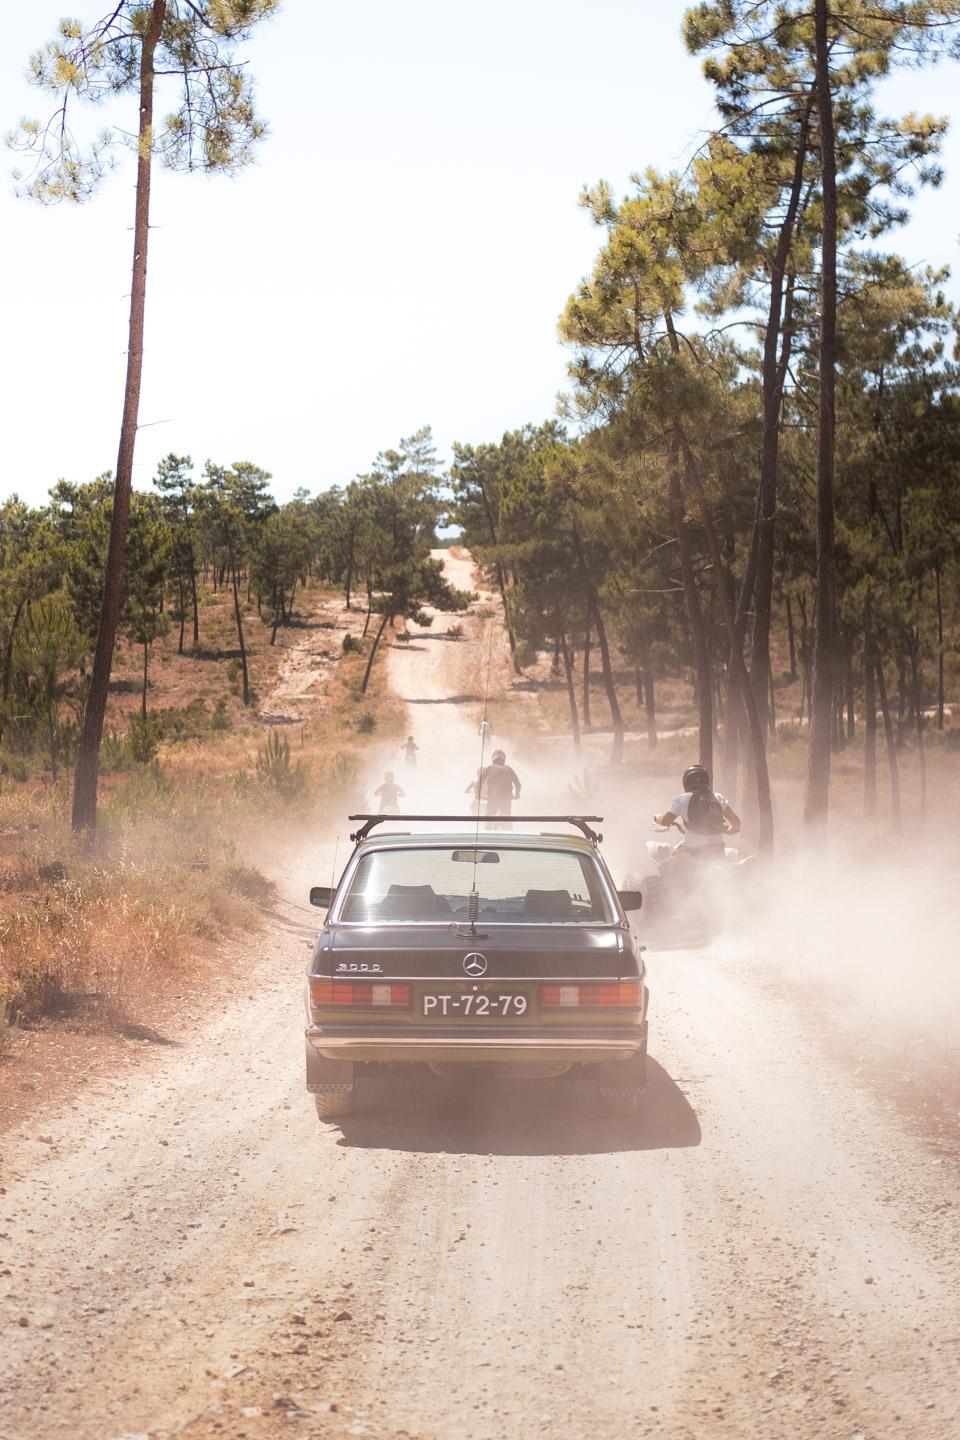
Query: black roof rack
[{"x": 582, "y": 822}]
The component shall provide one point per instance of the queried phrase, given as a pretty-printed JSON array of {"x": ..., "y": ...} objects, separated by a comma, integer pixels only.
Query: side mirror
[
  {"x": 321, "y": 896},
  {"x": 630, "y": 899}
]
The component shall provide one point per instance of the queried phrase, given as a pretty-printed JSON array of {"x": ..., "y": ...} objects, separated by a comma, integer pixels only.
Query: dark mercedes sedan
[{"x": 503, "y": 953}]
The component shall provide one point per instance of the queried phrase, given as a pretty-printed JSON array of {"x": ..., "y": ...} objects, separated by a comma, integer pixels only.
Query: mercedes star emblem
[{"x": 475, "y": 964}]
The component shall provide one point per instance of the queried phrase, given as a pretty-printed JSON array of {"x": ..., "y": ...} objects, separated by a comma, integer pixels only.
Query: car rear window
[{"x": 515, "y": 886}]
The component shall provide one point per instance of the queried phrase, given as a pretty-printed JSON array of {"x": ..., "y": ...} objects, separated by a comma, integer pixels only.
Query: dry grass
[
  {"x": 94, "y": 937},
  {"x": 170, "y": 870}
]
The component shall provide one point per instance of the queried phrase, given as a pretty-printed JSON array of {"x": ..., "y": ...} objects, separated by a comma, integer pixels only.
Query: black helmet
[{"x": 696, "y": 777}]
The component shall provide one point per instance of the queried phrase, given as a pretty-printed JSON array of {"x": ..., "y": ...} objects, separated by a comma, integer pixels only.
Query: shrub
[
  {"x": 249, "y": 882},
  {"x": 234, "y": 671},
  {"x": 13, "y": 766},
  {"x": 144, "y": 738},
  {"x": 274, "y": 767},
  {"x": 220, "y": 720},
  {"x": 366, "y": 723},
  {"x": 33, "y": 991},
  {"x": 141, "y": 790},
  {"x": 351, "y": 645},
  {"x": 341, "y": 773},
  {"x": 454, "y": 632}
]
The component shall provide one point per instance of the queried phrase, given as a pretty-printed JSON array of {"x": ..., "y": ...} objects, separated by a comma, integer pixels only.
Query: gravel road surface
[{"x": 766, "y": 1252}]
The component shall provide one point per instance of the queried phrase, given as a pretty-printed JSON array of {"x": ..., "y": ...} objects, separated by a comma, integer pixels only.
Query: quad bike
[{"x": 689, "y": 900}]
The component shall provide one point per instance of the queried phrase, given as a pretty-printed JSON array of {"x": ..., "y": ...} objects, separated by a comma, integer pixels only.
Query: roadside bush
[
  {"x": 340, "y": 774},
  {"x": 351, "y": 645},
  {"x": 366, "y": 723},
  {"x": 454, "y": 632},
  {"x": 249, "y": 882}
]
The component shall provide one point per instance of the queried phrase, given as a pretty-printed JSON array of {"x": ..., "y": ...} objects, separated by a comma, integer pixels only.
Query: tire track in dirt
[{"x": 766, "y": 1252}]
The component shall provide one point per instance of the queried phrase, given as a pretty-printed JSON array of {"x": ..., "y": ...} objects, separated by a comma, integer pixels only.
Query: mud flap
[
  {"x": 328, "y": 1077},
  {"x": 621, "y": 1083}
]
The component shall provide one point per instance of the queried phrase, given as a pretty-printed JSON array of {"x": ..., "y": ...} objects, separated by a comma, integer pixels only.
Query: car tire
[
  {"x": 332, "y": 1104},
  {"x": 651, "y": 888},
  {"x": 621, "y": 1083},
  {"x": 332, "y": 1083}
]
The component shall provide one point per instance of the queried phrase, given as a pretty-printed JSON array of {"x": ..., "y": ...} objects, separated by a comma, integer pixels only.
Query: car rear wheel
[
  {"x": 332, "y": 1083},
  {"x": 331, "y": 1104},
  {"x": 621, "y": 1083}
]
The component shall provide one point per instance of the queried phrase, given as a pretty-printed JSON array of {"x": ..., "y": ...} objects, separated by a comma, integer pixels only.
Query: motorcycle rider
[
  {"x": 706, "y": 814},
  {"x": 499, "y": 786},
  {"x": 389, "y": 795}
]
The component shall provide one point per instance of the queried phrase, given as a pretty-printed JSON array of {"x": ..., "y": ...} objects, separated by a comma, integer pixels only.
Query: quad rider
[
  {"x": 706, "y": 815},
  {"x": 410, "y": 748}
]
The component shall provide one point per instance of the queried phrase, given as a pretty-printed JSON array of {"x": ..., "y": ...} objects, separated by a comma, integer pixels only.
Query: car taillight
[
  {"x": 373, "y": 994},
  {"x": 624, "y": 995}
]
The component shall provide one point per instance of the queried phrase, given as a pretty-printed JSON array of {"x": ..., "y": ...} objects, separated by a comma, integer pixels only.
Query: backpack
[{"x": 705, "y": 813}]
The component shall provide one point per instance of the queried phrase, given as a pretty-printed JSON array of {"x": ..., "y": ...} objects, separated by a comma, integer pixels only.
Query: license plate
[{"x": 475, "y": 1005}]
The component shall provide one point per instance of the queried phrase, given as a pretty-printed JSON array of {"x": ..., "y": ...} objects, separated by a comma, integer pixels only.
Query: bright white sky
[{"x": 397, "y": 257}]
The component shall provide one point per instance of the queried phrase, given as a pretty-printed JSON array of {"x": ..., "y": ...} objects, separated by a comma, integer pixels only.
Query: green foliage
[
  {"x": 351, "y": 645},
  {"x": 276, "y": 770},
  {"x": 144, "y": 738},
  {"x": 213, "y": 126},
  {"x": 220, "y": 720}
]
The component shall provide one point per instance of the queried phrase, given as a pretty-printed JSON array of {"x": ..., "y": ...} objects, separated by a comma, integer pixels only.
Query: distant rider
[
  {"x": 486, "y": 732},
  {"x": 410, "y": 749},
  {"x": 474, "y": 789},
  {"x": 499, "y": 786},
  {"x": 707, "y": 816},
  {"x": 389, "y": 795}
]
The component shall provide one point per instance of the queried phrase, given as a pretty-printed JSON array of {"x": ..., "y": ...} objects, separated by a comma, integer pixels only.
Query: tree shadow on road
[{"x": 486, "y": 1117}]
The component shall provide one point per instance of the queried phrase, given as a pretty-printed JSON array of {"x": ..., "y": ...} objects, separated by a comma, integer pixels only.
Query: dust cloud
[{"x": 868, "y": 933}]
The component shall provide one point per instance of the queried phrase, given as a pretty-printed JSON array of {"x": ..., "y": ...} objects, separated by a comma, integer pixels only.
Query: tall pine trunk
[
  {"x": 571, "y": 691},
  {"x": 918, "y": 720},
  {"x": 183, "y": 615},
  {"x": 816, "y": 798},
  {"x": 239, "y": 619},
  {"x": 649, "y": 698},
  {"x": 869, "y": 727},
  {"x": 587, "y": 722},
  {"x": 373, "y": 650},
  {"x": 940, "y": 694},
  {"x": 694, "y": 613},
  {"x": 196, "y": 603},
  {"x": 893, "y": 763},
  {"x": 792, "y": 640},
  {"x": 775, "y": 361},
  {"x": 593, "y": 599},
  {"x": 88, "y": 754},
  {"x": 755, "y": 725}
]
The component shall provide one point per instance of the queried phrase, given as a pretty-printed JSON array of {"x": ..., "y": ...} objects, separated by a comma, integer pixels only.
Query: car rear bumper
[{"x": 468, "y": 1046}]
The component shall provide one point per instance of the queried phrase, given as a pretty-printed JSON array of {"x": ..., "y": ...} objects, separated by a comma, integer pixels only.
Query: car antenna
[{"x": 473, "y": 899}]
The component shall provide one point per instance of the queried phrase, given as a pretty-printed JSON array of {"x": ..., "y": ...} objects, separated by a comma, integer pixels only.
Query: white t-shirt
[{"x": 692, "y": 839}]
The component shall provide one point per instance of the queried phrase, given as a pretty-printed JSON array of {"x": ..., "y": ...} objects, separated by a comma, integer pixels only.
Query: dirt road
[{"x": 767, "y": 1252}]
